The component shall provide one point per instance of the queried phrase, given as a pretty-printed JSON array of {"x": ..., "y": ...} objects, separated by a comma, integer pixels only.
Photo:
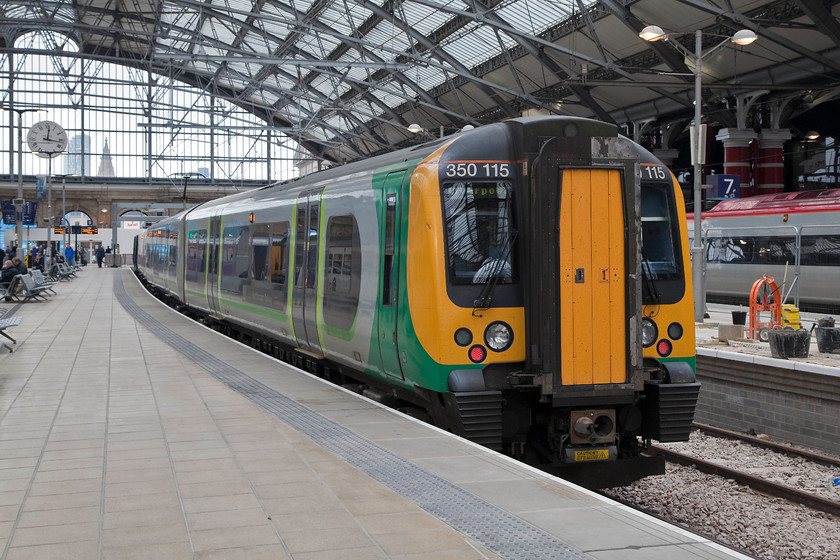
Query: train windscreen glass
[
  {"x": 659, "y": 234},
  {"x": 479, "y": 232}
]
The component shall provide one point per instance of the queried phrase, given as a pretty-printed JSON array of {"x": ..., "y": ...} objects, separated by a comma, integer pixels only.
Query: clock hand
[{"x": 48, "y": 139}]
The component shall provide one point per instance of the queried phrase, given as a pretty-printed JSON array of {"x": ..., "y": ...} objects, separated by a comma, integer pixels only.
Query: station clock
[{"x": 46, "y": 139}]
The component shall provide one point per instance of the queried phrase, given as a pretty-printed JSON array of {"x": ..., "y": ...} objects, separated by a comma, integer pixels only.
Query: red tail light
[
  {"x": 477, "y": 353},
  {"x": 664, "y": 347}
]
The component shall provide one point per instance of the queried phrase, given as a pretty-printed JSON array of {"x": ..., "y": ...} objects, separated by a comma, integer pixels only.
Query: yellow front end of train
[{"x": 571, "y": 213}]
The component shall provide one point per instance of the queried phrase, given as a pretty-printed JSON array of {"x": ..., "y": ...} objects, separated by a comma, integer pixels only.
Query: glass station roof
[{"x": 345, "y": 78}]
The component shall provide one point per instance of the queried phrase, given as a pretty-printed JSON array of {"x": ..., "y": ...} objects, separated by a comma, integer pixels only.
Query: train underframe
[{"x": 596, "y": 444}]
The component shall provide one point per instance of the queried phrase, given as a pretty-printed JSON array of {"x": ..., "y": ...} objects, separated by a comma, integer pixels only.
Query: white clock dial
[{"x": 46, "y": 139}]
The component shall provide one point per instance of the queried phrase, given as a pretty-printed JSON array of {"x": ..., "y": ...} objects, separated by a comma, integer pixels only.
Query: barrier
[{"x": 764, "y": 296}]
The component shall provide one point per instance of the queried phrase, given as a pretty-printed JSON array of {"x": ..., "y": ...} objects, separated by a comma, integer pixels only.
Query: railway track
[
  {"x": 781, "y": 448},
  {"x": 755, "y": 482}
]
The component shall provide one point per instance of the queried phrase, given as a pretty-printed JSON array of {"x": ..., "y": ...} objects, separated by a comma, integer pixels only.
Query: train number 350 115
[{"x": 472, "y": 169}]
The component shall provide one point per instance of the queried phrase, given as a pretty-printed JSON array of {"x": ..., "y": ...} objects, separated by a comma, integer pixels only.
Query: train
[
  {"x": 793, "y": 237},
  {"x": 494, "y": 282}
]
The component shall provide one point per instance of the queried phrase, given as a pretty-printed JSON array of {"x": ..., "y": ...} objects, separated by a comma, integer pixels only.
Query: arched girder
[
  {"x": 673, "y": 59},
  {"x": 444, "y": 57},
  {"x": 300, "y": 21}
]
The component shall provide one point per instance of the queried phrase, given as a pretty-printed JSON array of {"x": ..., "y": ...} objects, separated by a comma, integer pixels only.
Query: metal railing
[{"x": 797, "y": 235}]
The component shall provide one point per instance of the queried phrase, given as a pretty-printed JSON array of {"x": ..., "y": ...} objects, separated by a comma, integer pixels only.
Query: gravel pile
[{"x": 768, "y": 528}]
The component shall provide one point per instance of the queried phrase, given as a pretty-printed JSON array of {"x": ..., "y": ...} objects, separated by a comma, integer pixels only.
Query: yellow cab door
[{"x": 593, "y": 347}]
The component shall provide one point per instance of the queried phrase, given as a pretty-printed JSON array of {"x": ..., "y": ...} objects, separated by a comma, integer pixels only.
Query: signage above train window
[{"x": 725, "y": 186}]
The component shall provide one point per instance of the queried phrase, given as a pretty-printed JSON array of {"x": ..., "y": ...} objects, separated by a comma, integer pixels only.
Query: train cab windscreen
[
  {"x": 661, "y": 262},
  {"x": 479, "y": 232}
]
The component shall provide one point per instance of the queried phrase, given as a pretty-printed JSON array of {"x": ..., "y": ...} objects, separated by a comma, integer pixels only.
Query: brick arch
[{"x": 83, "y": 210}]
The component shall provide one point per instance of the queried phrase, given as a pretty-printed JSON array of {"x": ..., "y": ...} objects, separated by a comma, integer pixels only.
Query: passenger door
[
  {"x": 213, "y": 249},
  {"x": 306, "y": 276},
  {"x": 389, "y": 267},
  {"x": 592, "y": 275}
]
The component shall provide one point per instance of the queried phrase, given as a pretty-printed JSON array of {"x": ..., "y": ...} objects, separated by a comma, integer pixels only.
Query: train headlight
[
  {"x": 649, "y": 332},
  {"x": 498, "y": 336}
]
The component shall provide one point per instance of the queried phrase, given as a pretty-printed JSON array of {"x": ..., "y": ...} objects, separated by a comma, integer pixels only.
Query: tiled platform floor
[{"x": 114, "y": 445}]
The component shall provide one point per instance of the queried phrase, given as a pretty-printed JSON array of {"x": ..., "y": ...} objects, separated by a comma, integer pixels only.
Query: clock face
[{"x": 46, "y": 139}]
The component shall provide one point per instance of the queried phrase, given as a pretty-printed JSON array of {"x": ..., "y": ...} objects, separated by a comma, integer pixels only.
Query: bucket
[
  {"x": 789, "y": 343},
  {"x": 825, "y": 322},
  {"x": 828, "y": 339},
  {"x": 739, "y": 317}
]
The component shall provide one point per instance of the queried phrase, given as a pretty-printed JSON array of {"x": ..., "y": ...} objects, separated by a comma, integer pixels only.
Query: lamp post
[
  {"x": 186, "y": 177},
  {"x": 49, "y": 255},
  {"x": 63, "y": 219},
  {"x": 742, "y": 37},
  {"x": 19, "y": 210}
]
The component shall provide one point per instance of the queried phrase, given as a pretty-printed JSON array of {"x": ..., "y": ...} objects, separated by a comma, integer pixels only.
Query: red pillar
[
  {"x": 736, "y": 159},
  {"x": 770, "y": 165}
]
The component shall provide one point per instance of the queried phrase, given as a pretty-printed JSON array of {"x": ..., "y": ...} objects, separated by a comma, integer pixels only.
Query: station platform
[
  {"x": 128, "y": 431},
  {"x": 711, "y": 342},
  {"x": 745, "y": 388}
]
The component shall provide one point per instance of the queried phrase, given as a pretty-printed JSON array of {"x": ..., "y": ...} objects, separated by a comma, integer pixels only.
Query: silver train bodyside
[{"x": 798, "y": 245}]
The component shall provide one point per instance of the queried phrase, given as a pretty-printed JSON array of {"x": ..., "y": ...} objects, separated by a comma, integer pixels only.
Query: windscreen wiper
[
  {"x": 650, "y": 283},
  {"x": 485, "y": 298}
]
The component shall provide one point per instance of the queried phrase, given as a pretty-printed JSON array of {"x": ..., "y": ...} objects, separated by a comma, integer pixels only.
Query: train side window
[
  {"x": 279, "y": 259},
  {"x": 235, "y": 252},
  {"x": 243, "y": 250},
  {"x": 342, "y": 275},
  {"x": 259, "y": 251},
  {"x": 196, "y": 248},
  {"x": 776, "y": 250},
  {"x": 172, "y": 241},
  {"x": 729, "y": 250},
  {"x": 808, "y": 254},
  {"x": 390, "y": 232},
  {"x": 826, "y": 250}
]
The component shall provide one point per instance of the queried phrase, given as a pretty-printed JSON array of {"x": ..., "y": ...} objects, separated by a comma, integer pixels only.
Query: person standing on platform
[
  {"x": 70, "y": 256},
  {"x": 100, "y": 255}
]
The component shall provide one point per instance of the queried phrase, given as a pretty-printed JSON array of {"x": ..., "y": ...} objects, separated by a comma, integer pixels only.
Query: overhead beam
[
  {"x": 822, "y": 17},
  {"x": 742, "y": 21}
]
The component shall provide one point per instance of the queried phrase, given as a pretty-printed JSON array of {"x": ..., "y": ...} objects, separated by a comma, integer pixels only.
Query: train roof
[{"x": 782, "y": 203}]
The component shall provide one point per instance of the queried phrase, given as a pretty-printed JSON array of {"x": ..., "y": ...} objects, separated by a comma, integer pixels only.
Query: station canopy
[{"x": 347, "y": 78}]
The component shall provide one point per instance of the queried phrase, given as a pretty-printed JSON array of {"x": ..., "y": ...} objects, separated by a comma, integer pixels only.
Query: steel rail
[
  {"x": 754, "y": 482},
  {"x": 826, "y": 460}
]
